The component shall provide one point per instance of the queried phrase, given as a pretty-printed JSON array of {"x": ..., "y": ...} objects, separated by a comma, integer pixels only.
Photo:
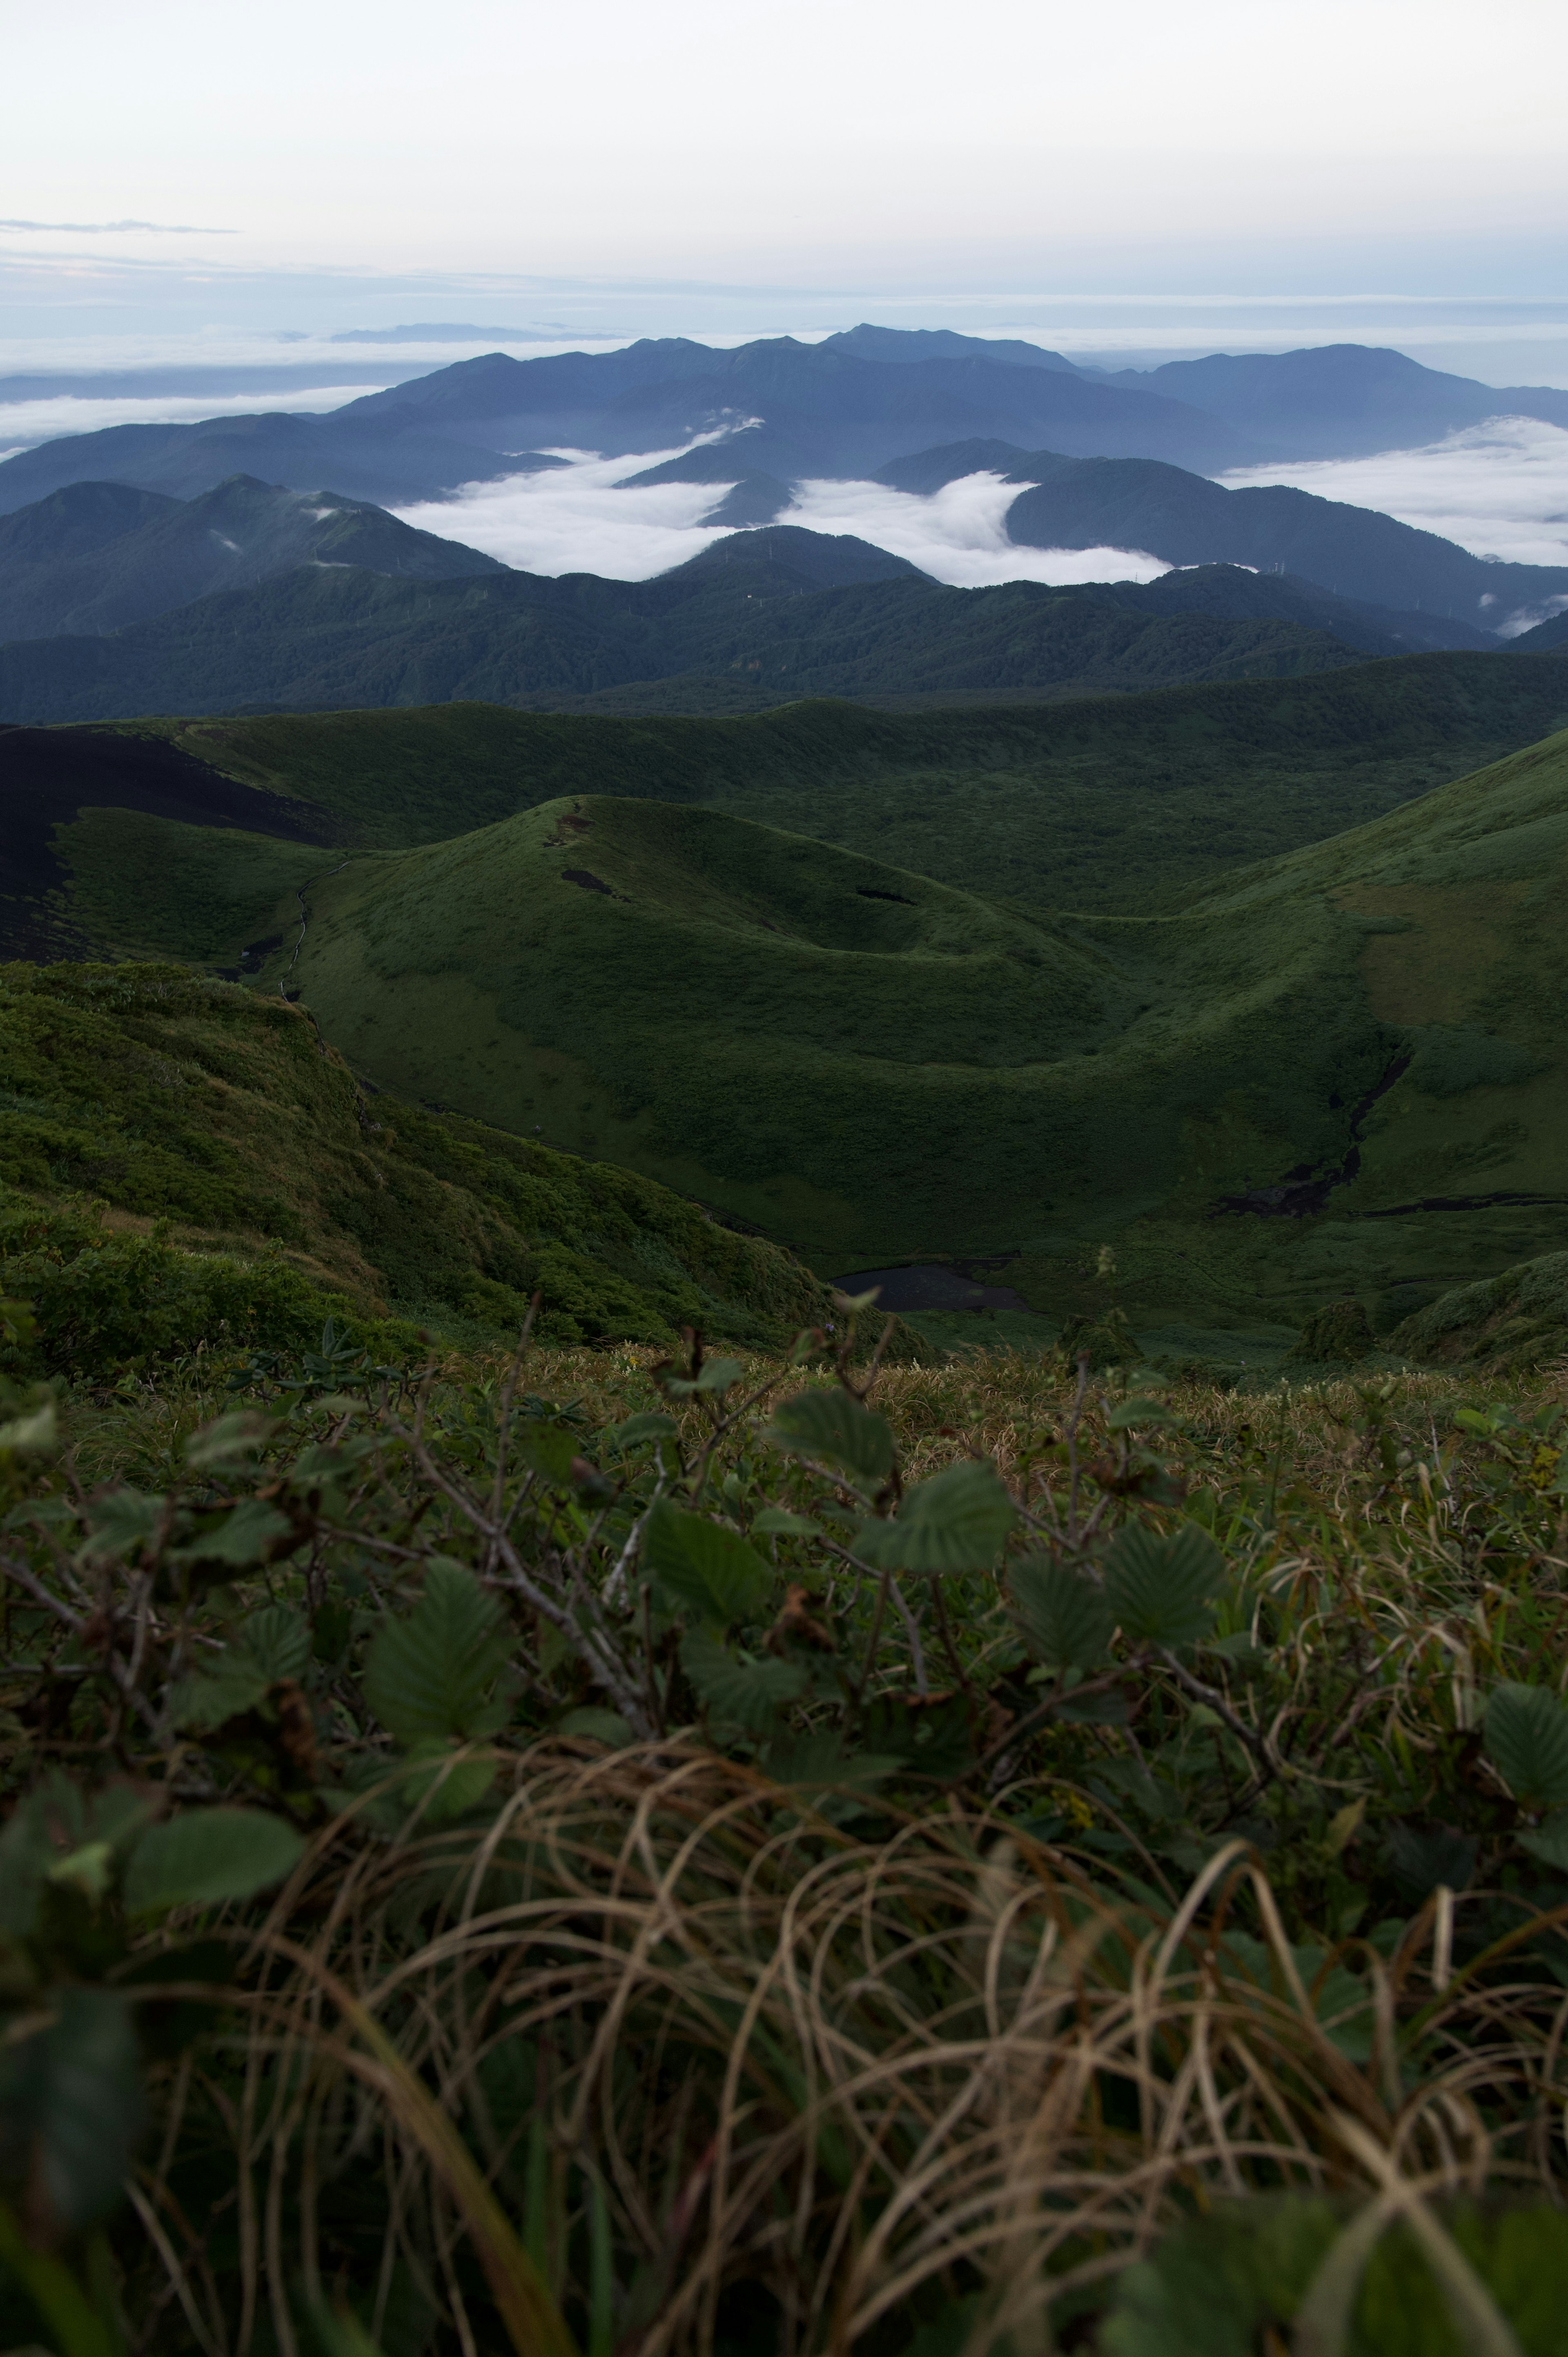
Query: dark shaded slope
[
  {"x": 98, "y": 556},
  {"x": 48, "y": 777},
  {"x": 737, "y": 634}
]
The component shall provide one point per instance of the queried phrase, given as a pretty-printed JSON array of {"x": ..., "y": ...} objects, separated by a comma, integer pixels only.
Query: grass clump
[{"x": 596, "y": 1852}]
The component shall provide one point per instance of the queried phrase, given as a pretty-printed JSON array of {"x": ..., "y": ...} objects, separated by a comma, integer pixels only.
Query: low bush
[{"x": 602, "y": 1855}]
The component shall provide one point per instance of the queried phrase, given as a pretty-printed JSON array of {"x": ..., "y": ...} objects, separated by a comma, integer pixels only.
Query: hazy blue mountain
[
  {"x": 835, "y": 412},
  {"x": 97, "y": 556},
  {"x": 807, "y": 409},
  {"x": 389, "y": 463},
  {"x": 904, "y": 344},
  {"x": 1338, "y": 401}
]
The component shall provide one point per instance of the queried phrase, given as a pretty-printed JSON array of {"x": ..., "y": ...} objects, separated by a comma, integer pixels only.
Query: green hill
[
  {"x": 1090, "y": 804},
  {"x": 1339, "y": 1071},
  {"x": 135, "y": 1094}
]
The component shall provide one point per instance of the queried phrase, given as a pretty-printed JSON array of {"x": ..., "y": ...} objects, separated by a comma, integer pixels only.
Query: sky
[{"x": 181, "y": 174}]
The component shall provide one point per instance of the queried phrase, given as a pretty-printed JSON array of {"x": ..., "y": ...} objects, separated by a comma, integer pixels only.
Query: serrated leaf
[
  {"x": 1064, "y": 1618},
  {"x": 699, "y": 1566},
  {"x": 277, "y": 1640},
  {"x": 1162, "y": 1589},
  {"x": 835, "y": 1430},
  {"x": 747, "y": 1693},
  {"x": 430, "y": 1675},
  {"x": 214, "y": 1696},
  {"x": 1526, "y": 1734},
  {"x": 442, "y": 1787},
  {"x": 70, "y": 2108},
  {"x": 958, "y": 1521},
  {"x": 122, "y": 1522},
  {"x": 244, "y": 1536},
  {"x": 206, "y": 1855}
]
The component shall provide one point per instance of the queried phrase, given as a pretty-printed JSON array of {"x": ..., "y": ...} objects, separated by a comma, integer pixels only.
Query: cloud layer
[
  {"x": 1500, "y": 489},
  {"x": 576, "y": 519},
  {"x": 23, "y": 424}
]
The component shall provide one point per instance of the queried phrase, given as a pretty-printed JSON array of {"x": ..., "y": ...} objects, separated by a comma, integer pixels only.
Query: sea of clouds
[
  {"x": 580, "y": 519},
  {"x": 25, "y": 424},
  {"x": 1500, "y": 489}
]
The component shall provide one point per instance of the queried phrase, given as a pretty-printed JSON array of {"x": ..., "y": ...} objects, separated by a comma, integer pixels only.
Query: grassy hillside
[
  {"x": 1077, "y": 805},
  {"x": 1338, "y": 1073},
  {"x": 157, "y": 1096}
]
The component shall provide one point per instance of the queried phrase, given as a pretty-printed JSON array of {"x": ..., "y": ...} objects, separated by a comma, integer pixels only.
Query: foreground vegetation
[{"x": 589, "y": 1854}]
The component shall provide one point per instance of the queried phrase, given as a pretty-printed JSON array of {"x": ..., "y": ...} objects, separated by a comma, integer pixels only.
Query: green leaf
[
  {"x": 230, "y": 1442},
  {"x": 1161, "y": 1590},
  {"x": 835, "y": 1429},
  {"x": 1064, "y": 1618},
  {"x": 431, "y": 1674},
  {"x": 1130, "y": 1413},
  {"x": 70, "y": 2106},
  {"x": 1549, "y": 1842},
  {"x": 776, "y": 1522},
  {"x": 637, "y": 1431},
  {"x": 958, "y": 1521},
  {"x": 242, "y": 1538},
  {"x": 932, "y": 1735},
  {"x": 718, "y": 1375},
  {"x": 747, "y": 1693},
  {"x": 277, "y": 1640},
  {"x": 1526, "y": 1733},
  {"x": 699, "y": 1566},
  {"x": 548, "y": 1450},
  {"x": 206, "y": 1856},
  {"x": 820, "y": 1758},
  {"x": 122, "y": 1522},
  {"x": 441, "y": 1786},
  {"x": 213, "y": 1697}
]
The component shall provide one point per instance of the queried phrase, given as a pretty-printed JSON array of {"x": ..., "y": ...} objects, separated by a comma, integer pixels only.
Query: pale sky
[{"x": 817, "y": 143}]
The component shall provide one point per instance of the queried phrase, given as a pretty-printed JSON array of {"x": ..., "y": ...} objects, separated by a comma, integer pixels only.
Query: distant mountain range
[
  {"x": 759, "y": 619},
  {"x": 842, "y": 407}
]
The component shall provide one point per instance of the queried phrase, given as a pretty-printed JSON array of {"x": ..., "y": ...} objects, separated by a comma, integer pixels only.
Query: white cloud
[
  {"x": 1500, "y": 489},
  {"x": 25, "y": 424},
  {"x": 576, "y": 519},
  {"x": 958, "y": 535}
]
